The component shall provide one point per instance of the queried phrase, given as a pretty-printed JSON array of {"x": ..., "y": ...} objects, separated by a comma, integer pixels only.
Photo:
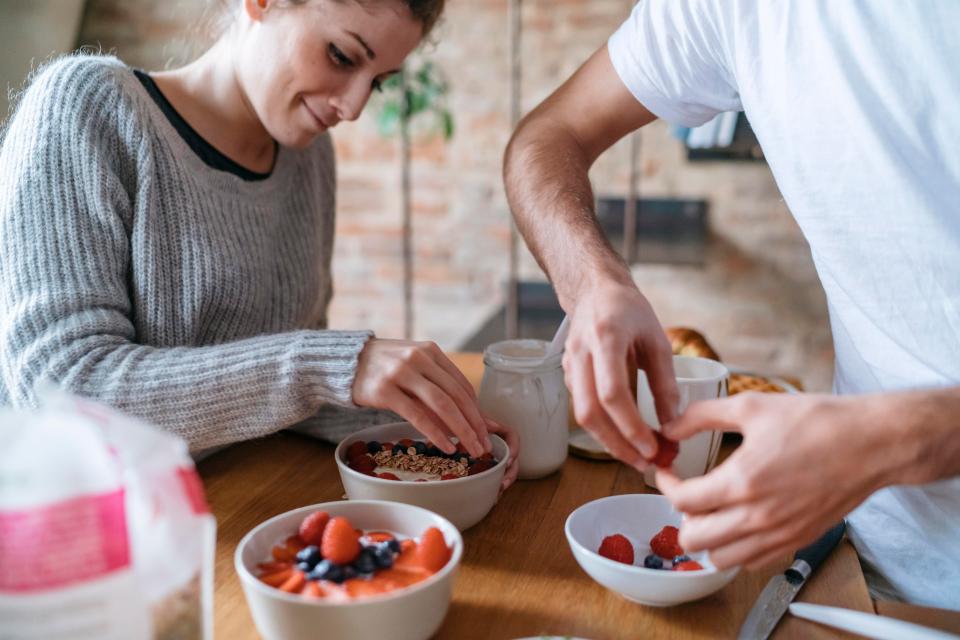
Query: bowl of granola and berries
[
  {"x": 629, "y": 544},
  {"x": 350, "y": 569},
  {"x": 395, "y": 462}
]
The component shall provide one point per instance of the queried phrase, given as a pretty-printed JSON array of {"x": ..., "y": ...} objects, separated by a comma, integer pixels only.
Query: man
[{"x": 856, "y": 107}]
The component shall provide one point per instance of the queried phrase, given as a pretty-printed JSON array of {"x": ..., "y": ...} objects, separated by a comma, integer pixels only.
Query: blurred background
[{"x": 713, "y": 245}]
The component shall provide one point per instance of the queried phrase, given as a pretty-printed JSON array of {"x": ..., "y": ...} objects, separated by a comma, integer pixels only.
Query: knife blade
[{"x": 783, "y": 588}]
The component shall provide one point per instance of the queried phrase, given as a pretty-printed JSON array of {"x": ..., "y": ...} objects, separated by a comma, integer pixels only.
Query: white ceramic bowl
[
  {"x": 638, "y": 517},
  {"x": 464, "y": 501},
  {"x": 412, "y": 613}
]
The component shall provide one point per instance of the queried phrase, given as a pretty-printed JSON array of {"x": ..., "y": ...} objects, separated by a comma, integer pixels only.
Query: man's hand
[
  {"x": 418, "y": 382},
  {"x": 613, "y": 329},
  {"x": 806, "y": 461}
]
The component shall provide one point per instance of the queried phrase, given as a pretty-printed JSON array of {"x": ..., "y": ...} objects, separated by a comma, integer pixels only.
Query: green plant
[{"x": 417, "y": 91}]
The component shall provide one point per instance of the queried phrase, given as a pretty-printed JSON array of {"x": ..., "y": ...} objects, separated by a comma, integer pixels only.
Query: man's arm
[{"x": 612, "y": 325}]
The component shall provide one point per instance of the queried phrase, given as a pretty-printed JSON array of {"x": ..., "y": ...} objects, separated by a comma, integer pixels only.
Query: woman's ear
[{"x": 256, "y": 8}]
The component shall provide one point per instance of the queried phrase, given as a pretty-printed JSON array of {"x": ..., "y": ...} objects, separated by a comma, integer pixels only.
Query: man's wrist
[{"x": 600, "y": 275}]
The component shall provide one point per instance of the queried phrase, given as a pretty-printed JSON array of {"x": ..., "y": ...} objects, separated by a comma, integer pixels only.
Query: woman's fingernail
[{"x": 646, "y": 449}]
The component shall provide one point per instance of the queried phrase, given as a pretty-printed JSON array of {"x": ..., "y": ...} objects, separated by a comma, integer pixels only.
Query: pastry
[{"x": 688, "y": 342}]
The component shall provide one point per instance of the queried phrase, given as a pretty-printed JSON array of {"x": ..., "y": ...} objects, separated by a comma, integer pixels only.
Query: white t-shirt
[{"x": 857, "y": 108}]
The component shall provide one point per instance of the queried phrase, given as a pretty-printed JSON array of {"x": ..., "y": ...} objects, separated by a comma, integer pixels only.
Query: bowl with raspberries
[
  {"x": 628, "y": 543},
  {"x": 395, "y": 462},
  {"x": 348, "y": 569}
]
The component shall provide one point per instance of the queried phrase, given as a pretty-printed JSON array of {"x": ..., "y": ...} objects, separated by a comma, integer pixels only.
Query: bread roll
[{"x": 689, "y": 342}]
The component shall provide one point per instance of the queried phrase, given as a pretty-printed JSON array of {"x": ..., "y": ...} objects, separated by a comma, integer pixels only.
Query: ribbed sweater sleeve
[{"x": 68, "y": 190}]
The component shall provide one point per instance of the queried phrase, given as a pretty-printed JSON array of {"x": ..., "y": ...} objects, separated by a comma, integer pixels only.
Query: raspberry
[
  {"x": 311, "y": 529},
  {"x": 665, "y": 544},
  {"x": 363, "y": 464},
  {"x": 617, "y": 548},
  {"x": 688, "y": 565},
  {"x": 341, "y": 543},
  {"x": 667, "y": 450},
  {"x": 356, "y": 449},
  {"x": 480, "y": 466},
  {"x": 449, "y": 476}
]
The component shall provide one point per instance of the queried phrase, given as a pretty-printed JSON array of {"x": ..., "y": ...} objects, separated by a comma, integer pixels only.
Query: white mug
[{"x": 697, "y": 379}]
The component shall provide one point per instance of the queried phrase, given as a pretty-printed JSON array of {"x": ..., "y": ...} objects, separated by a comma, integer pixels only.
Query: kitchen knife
[
  {"x": 781, "y": 590},
  {"x": 868, "y": 624}
]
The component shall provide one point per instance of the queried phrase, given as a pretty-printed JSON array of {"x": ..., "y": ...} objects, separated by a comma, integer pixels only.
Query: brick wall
[{"x": 758, "y": 298}]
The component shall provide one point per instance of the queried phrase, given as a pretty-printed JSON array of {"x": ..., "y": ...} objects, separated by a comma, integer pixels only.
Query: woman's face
[{"x": 305, "y": 68}]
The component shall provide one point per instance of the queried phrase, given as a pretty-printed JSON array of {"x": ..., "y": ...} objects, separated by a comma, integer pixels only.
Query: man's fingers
[
  {"x": 617, "y": 401},
  {"x": 701, "y": 494},
  {"x": 707, "y": 415},
  {"x": 420, "y": 417},
  {"x": 723, "y": 527},
  {"x": 592, "y": 417},
  {"x": 657, "y": 359}
]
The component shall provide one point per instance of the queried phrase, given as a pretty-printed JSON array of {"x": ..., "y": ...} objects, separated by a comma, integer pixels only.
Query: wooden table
[{"x": 518, "y": 577}]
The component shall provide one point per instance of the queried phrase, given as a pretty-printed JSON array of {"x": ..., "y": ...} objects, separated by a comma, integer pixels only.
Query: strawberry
[
  {"x": 665, "y": 544},
  {"x": 356, "y": 449},
  {"x": 432, "y": 552},
  {"x": 386, "y": 475},
  {"x": 312, "y": 590},
  {"x": 277, "y": 578},
  {"x": 667, "y": 450},
  {"x": 486, "y": 456},
  {"x": 688, "y": 565},
  {"x": 617, "y": 548},
  {"x": 387, "y": 446},
  {"x": 281, "y": 553},
  {"x": 363, "y": 464},
  {"x": 311, "y": 529},
  {"x": 294, "y": 583},
  {"x": 341, "y": 543},
  {"x": 273, "y": 567},
  {"x": 461, "y": 448},
  {"x": 449, "y": 476},
  {"x": 404, "y": 443}
]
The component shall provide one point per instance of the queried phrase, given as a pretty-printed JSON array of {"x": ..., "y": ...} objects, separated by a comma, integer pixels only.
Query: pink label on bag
[
  {"x": 193, "y": 489},
  {"x": 59, "y": 544}
]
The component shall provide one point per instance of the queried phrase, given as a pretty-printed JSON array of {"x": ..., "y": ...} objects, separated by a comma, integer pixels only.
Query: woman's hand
[
  {"x": 513, "y": 441},
  {"x": 418, "y": 382},
  {"x": 806, "y": 461}
]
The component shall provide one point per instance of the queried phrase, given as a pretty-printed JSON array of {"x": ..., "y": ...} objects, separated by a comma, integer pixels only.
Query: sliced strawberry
[
  {"x": 312, "y": 590},
  {"x": 273, "y": 567},
  {"x": 449, "y": 476},
  {"x": 341, "y": 542},
  {"x": 386, "y": 475},
  {"x": 281, "y": 553},
  {"x": 311, "y": 529},
  {"x": 667, "y": 450},
  {"x": 665, "y": 544},
  {"x": 688, "y": 565},
  {"x": 480, "y": 466},
  {"x": 617, "y": 548},
  {"x": 294, "y": 583},
  {"x": 277, "y": 578},
  {"x": 432, "y": 552}
]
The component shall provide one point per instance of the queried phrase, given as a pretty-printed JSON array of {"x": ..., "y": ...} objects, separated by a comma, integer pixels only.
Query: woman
[{"x": 165, "y": 239}]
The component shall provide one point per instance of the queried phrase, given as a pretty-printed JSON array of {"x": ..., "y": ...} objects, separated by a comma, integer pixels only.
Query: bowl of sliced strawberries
[
  {"x": 349, "y": 569},
  {"x": 629, "y": 544}
]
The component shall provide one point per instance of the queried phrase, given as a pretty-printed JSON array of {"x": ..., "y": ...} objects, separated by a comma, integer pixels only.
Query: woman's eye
[{"x": 339, "y": 57}]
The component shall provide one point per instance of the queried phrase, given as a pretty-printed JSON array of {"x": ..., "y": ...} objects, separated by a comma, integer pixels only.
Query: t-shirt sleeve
[{"x": 674, "y": 57}]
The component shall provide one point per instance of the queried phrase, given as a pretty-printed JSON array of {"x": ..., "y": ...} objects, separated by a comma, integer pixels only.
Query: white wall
[{"x": 30, "y": 32}]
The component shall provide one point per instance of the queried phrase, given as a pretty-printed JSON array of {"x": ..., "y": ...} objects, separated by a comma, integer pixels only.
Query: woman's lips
[{"x": 320, "y": 121}]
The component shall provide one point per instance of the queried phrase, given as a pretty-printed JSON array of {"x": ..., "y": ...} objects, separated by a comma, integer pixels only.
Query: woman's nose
[{"x": 350, "y": 103}]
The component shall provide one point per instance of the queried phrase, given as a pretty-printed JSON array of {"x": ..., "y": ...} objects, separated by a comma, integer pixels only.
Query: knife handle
[{"x": 819, "y": 550}]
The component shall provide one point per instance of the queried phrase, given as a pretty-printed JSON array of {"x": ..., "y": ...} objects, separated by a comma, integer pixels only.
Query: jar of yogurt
[{"x": 524, "y": 390}]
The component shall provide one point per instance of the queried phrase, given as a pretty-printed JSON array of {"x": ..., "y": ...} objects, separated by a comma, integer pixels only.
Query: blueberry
[
  {"x": 373, "y": 447},
  {"x": 309, "y": 555},
  {"x": 393, "y": 544},
  {"x": 678, "y": 559},
  {"x": 349, "y": 572},
  {"x": 306, "y": 567},
  {"x": 420, "y": 446},
  {"x": 397, "y": 450},
  {"x": 653, "y": 562},
  {"x": 365, "y": 562},
  {"x": 326, "y": 570},
  {"x": 434, "y": 451},
  {"x": 383, "y": 557}
]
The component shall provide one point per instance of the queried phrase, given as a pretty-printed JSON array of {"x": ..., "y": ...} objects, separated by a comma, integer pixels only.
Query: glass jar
[{"x": 523, "y": 390}]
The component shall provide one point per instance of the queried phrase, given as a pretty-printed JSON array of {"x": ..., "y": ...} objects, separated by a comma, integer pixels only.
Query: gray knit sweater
[{"x": 133, "y": 273}]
